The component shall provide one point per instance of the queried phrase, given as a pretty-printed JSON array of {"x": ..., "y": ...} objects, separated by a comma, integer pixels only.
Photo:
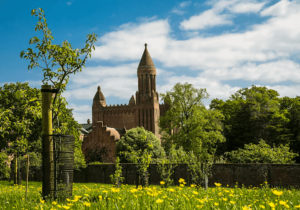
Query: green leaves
[
  {"x": 187, "y": 123},
  {"x": 262, "y": 153},
  {"x": 138, "y": 139}
]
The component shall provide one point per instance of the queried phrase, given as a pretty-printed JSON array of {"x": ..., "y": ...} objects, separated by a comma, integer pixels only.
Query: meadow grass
[{"x": 105, "y": 196}]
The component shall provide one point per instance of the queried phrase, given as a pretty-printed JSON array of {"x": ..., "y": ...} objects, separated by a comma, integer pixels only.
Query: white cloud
[
  {"x": 217, "y": 15},
  {"x": 178, "y": 12},
  {"x": 81, "y": 108},
  {"x": 206, "y": 19},
  {"x": 126, "y": 42},
  {"x": 184, "y": 4},
  {"x": 247, "y": 7},
  {"x": 290, "y": 91},
  {"x": 271, "y": 72},
  {"x": 215, "y": 88},
  {"x": 282, "y": 8},
  {"x": 82, "y": 117}
]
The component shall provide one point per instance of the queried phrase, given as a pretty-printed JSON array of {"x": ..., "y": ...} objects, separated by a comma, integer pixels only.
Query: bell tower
[{"x": 147, "y": 103}]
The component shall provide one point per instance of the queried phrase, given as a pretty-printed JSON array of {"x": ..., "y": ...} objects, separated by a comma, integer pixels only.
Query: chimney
[{"x": 89, "y": 121}]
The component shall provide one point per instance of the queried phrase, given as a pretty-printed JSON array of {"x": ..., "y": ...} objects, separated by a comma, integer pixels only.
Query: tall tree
[
  {"x": 292, "y": 105},
  {"x": 188, "y": 123},
  {"x": 252, "y": 114},
  {"x": 23, "y": 135}
]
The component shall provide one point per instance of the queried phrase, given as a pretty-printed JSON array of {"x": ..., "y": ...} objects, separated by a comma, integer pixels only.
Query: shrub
[{"x": 262, "y": 153}]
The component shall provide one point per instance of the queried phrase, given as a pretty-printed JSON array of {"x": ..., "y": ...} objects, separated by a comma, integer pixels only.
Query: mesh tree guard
[{"x": 61, "y": 159}]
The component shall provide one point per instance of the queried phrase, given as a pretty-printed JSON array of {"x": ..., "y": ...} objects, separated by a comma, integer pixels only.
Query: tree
[
  {"x": 262, "y": 153},
  {"x": 292, "y": 105},
  {"x": 252, "y": 114},
  {"x": 188, "y": 123},
  {"x": 24, "y": 117},
  {"x": 24, "y": 132},
  {"x": 59, "y": 61},
  {"x": 4, "y": 168},
  {"x": 138, "y": 139}
]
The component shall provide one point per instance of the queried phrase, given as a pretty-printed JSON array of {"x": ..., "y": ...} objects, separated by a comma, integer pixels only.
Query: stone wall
[{"x": 226, "y": 174}]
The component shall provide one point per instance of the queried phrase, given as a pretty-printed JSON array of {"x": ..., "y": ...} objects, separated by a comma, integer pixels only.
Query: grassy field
[{"x": 100, "y": 196}]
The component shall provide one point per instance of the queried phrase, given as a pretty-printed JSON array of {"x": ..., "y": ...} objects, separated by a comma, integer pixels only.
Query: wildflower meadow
[{"x": 100, "y": 196}]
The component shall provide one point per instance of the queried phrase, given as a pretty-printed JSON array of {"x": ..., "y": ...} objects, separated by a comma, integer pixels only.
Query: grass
[{"x": 103, "y": 196}]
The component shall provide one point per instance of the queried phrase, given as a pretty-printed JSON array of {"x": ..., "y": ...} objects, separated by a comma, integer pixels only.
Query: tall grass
[{"x": 100, "y": 196}]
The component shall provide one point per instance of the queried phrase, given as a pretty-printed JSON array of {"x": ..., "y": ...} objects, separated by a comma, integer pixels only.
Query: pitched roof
[
  {"x": 146, "y": 60},
  {"x": 87, "y": 127}
]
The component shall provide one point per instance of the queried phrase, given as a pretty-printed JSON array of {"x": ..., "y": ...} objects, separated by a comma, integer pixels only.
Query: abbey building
[{"x": 110, "y": 123}]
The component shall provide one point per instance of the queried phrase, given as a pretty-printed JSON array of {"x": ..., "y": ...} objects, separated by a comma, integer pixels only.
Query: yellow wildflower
[
  {"x": 54, "y": 203},
  {"x": 181, "y": 180},
  {"x": 261, "y": 206},
  {"x": 218, "y": 184},
  {"x": 162, "y": 182},
  {"x": 159, "y": 201},
  {"x": 87, "y": 204},
  {"x": 66, "y": 207},
  {"x": 42, "y": 201},
  {"x": 224, "y": 199},
  {"x": 216, "y": 204},
  {"x": 233, "y": 202}
]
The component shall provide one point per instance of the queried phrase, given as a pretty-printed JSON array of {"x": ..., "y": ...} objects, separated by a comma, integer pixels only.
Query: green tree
[
  {"x": 188, "y": 123},
  {"x": 292, "y": 105},
  {"x": 138, "y": 139},
  {"x": 262, "y": 153},
  {"x": 4, "y": 168},
  {"x": 25, "y": 129},
  {"x": 23, "y": 105},
  {"x": 252, "y": 114}
]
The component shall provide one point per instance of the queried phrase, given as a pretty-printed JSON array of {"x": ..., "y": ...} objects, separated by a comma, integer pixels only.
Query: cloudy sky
[{"x": 220, "y": 45}]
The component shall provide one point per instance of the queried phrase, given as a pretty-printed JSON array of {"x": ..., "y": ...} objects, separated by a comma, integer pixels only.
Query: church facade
[{"x": 110, "y": 122}]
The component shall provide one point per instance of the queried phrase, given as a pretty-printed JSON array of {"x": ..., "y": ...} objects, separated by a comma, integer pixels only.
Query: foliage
[
  {"x": 142, "y": 158},
  {"x": 25, "y": 130},
  {"x": 168, "y": 164},
  {"x": 138, "y": 139},
  {"x": 102, "y": 196},
  {"x": 24, "y": 117},
  {"x": 199, "y": 168},
  {"x": 117, "y": 178},
  {"x": 188, "y": 123},
  {"x": 59, "y": 61},
  {"x": 262, "y": 153},
  {"x": 252, "y": 114},
  {"x": 292, "y": 105},
  {"x": 4, "y": 168}
]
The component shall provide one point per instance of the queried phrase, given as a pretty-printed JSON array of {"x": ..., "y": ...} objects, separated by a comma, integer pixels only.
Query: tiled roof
[{"x": 146, "y": 60}]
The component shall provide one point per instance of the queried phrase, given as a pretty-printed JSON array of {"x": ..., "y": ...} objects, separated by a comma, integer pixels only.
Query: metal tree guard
[{"x": 63, "y": 162}]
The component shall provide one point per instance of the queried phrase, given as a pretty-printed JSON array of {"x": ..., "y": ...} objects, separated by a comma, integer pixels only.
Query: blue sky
[{"x": 220, "y": 45}]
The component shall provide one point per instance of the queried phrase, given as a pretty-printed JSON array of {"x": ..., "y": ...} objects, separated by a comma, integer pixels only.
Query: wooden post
[
  {"x": 48, "y": 164},
  {"x": 27, "y": 176},
  {"x": 15, "y": 169}
]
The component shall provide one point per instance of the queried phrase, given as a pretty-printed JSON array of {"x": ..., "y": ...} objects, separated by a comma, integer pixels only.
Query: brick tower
[{"x": 147, "y": 103}]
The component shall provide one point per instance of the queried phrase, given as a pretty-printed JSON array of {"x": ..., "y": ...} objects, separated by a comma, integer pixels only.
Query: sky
[{"x": 220, "y": 45}]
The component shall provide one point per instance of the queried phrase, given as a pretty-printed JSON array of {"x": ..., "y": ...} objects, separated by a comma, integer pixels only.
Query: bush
[
  {"x": 262, "y": 153},
  {"x": 138, "y": 139}
]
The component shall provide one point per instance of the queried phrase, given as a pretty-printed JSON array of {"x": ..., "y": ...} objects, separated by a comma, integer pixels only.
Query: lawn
[{"x": 101, "y": 196}]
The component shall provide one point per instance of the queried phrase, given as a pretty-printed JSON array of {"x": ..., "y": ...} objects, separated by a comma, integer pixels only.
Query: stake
[
  {"x": 15, "y": 169},
  {"x": 48, "y": 164},
  {"x": 27, "y": 176}
]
